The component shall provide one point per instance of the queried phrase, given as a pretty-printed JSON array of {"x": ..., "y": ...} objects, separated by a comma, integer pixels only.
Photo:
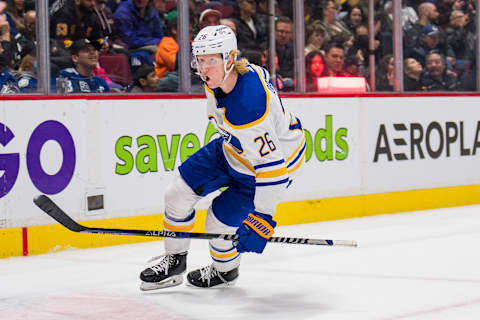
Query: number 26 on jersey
[{"x": 266, "y": 144}]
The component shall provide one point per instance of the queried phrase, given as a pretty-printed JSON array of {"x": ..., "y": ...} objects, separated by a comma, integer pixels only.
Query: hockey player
[{"x": 262, "y": 145}]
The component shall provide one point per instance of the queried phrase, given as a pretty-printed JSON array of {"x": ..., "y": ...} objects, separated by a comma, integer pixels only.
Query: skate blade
[
  {"x": 170, "y": 282},
  {"x": 218, "y": 286}
]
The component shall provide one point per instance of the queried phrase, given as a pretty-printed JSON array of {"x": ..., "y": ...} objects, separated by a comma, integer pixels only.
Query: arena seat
[
  {"x": 117, "y": 68},
  {"x": 226, "y": 10}
]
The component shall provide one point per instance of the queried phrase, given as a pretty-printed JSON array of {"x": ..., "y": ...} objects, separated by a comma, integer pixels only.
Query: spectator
[
  {"x": 314, "y": 67},
  {"x": 253, "y": 56},
  {"x": 384, "y": 27},
  {"x": 461, "y": 39},
  {"x": 8, "y": 84},
  {"x": 139, "y": 25},
  {"x": 161, "y": 7},
  {"x": 413, "y": 73},
  {"x": 171, "y": 80},
  {"x": 354, "y": 18},
  {"x": 74, "y": 20},
  {"x": 252, "y": 32},
  {"x": 409, "y": 15},
  {"x": 314, "y": 37},
  {"x": 333, "y": 27},
  {"x": 105, "y": 19},
  {"x": 359, "y": 51},
  {"x": 25, "y": 41},
  {"x": 312, "y": 10},
  {"x": 15, "y": 11},
  {"x": 429, "y": 41},
  {"x": 427, "y": 15},
  {"x": 209, "y": 17},
  {"x": 437, "y": 77},
  {"x": 27, "y": 74},
  {"x": 167, "y": 50},
  {"x": 229, "y": 23},
  {"x": 81, "y": 79},
  {"x": 145, "y": 80},
  {"x": 284, "y": 48},
  {"x": 334, "y": 59},
  {"x": 263, "y": 11},
  {"x": 27, "y": 77},
  {"x": 286, "y": 8},
  {"x": 351, "y": 67},
  {"x": 384, "y": 78}
]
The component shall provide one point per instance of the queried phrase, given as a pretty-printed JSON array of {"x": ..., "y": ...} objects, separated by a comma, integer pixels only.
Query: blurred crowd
[{"x": 101, "y": 46}]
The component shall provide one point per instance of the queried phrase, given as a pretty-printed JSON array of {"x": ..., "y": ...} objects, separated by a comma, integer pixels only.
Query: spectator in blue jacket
[{"x": 139, "y": 25}]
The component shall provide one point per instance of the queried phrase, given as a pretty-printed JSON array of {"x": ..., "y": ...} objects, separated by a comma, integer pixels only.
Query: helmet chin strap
[{"x": 227, "y": 72}]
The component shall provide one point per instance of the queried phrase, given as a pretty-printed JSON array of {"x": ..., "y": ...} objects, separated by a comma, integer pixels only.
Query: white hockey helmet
[{"x": 214, "y": 39}]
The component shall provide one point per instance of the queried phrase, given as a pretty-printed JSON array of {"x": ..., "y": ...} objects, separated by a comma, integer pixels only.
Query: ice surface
[{"x": 422, "y": 265}]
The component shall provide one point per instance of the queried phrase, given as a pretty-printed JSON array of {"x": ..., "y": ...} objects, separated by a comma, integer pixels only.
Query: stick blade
[{"x": 54, "y": 211}]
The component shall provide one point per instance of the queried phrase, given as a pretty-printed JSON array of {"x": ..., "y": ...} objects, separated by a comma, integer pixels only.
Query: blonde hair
[{"x": 240, "y": 66}]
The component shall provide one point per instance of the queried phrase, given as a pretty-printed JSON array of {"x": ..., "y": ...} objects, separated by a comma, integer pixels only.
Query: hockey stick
[{"x": 54, "y": 211}]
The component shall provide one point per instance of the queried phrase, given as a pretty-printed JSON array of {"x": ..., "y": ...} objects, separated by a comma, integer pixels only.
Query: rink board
[{"x": 365, "y": 156}]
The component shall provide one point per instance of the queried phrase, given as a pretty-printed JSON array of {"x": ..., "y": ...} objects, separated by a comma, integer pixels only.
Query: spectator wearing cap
[
  {"x": 251, "y": 31},
  {"x": 139, "y": 25},
  {"x": 209, "y": 17},
  {"x": 144, "y": 80},
  {"x": 429, "y": 40},
  {"x": 81, "y": 78}
]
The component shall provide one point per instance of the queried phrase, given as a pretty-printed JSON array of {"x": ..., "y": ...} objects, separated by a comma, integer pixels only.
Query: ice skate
[
  {"x": 209, "y": 277},
  {"x": 168, "y": 273}
]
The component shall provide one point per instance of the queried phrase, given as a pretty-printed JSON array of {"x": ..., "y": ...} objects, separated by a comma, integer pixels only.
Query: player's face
[{"x": 211, "y": 68}]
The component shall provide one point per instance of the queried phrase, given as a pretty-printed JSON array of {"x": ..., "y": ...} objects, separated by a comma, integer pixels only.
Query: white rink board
[
  {"x": 96, "y": 126},
  {"x": 436, "y": 169}
]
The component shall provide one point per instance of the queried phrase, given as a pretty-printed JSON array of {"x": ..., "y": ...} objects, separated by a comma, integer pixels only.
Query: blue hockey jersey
[{"x": 76, "y": 83}]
